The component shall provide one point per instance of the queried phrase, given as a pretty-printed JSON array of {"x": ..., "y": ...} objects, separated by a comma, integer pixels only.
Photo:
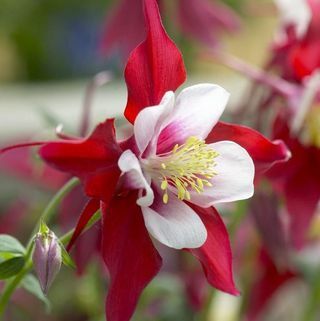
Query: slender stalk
[
  {"x": 57, "y": 198},
  {"x": 50, "y": 209},
  {"x": 46, "y": 215}
]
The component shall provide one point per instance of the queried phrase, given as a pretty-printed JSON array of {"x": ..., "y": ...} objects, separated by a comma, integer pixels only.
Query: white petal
[
  {"x": 130, "y": 166},
  {"x": 197, "y": 110},
  {"x": 175, "y": 224},
  {"x": 295, "y": 12},
  {"x": 234, "y": 179},
  {"x": 147, "y": 120}
]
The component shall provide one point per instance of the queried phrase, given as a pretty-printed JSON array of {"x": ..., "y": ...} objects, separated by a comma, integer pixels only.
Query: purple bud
[{"x": 46, "y": 259}]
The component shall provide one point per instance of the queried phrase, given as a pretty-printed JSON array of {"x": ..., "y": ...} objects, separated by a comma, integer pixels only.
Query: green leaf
[
  {"x": 11, "y": 267},
  {"x": 66, "y": 258},
  {"x": 11, "y": 245},
  {"x": 31, "y": 284}
]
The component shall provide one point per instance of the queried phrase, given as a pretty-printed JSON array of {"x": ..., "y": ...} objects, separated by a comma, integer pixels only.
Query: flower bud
[{"x": 46, "y": 258}]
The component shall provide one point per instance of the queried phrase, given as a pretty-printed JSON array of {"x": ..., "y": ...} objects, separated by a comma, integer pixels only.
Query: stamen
[{"x": 187, "y": 167}]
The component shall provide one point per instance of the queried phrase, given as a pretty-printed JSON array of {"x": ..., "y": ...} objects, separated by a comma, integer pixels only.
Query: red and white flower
[{"x": 173, "y": 163}]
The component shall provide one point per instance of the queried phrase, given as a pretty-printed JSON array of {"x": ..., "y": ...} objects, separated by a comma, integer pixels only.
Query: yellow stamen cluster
[{"x": 187, "y": 166}]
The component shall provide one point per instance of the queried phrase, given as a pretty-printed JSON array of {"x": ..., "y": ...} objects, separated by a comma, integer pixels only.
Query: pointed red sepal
[
  {"x": 154, "y": 67},
  {"x": 89, "y": 210},
  {"x": 215, "y": 255},
  {"x": 129, "y": 254},
  {"x": 263, "y": 151},
  {"x": 93, "y": 160}
]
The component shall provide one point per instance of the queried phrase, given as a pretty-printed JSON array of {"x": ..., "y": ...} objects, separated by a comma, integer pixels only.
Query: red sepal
[
  {"x": 154, "y": 67},
  {"x": 89, "y": 210},
  {"x": 215, "y": 255},
  {"x": 93, "y": 160},
  {"x": 129, "y": 254}
]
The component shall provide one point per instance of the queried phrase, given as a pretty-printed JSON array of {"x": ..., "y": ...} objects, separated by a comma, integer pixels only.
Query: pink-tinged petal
[
  {"x": 174, "y": 224},
  {"x": 215, "y": 254},
  {"x": 234, "y": 179},
  {"x": 154, "y": 67},
  {"x": 89, "y": 210},
  {"x": 268, "y": 281},
  {"x": 149, "y": 119},
  {"x": 197, "y": 110},
  {"x": 123, "y": 31},
  {"x": 130, "y": 166},
  {"x": 93, "y": 160},
  {"x": 203, "y": 19},
  {"x": 264, "y": 152},
  {"x": 129, "y": 255}
]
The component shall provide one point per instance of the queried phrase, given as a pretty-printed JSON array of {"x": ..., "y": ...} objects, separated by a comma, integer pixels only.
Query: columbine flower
[{"x": 173, "y": 164}]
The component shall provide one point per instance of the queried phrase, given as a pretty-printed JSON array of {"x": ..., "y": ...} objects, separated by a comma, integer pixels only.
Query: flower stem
[
  {"x": 46, "y": 215},
  {"x": 50, "y": 209}
]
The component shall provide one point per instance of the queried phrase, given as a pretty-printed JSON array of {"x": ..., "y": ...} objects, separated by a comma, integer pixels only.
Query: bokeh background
[{"x": 49, "y": 52}]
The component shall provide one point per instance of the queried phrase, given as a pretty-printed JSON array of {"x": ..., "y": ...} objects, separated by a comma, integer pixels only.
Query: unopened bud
[{"x": 46, "y": 258}]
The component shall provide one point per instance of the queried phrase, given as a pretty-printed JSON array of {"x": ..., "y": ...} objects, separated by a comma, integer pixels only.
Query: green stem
[
  {"x": 46, "y": 215},
  {"x": 50, "y": 209},
  {"x": 312, "y": 309}
]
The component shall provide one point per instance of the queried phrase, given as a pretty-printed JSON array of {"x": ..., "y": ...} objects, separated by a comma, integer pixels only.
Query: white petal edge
[
  {"x": 175, "y": 224},
  {"x": 130, "y": 166},
  {"x": 296, "y": 12},
  {"x": 234, "y": 179},
  {"x": 197, "y": 110},
  {"x": 148, "y": 119}
]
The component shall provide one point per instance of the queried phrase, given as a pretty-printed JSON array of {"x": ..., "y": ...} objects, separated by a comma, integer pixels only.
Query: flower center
[{"x": 188, "y": 166}]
